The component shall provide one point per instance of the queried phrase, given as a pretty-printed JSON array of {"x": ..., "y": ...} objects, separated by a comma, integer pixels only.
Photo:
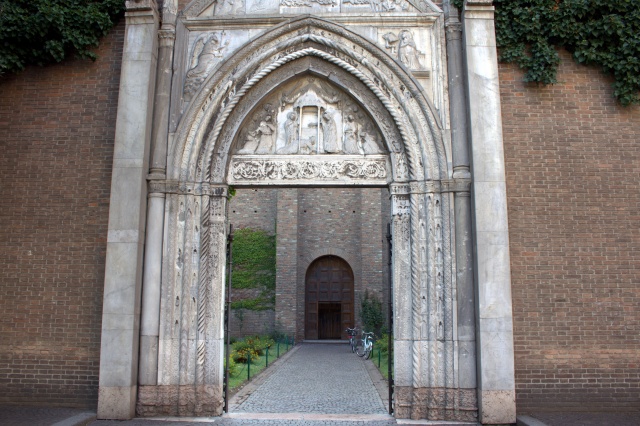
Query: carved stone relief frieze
[
  {"x": 301, "y": 169},
  {"x": 203, "y": 8},
  {"x": 402, "y": 45},
  {"x": 205, "y": 55},
  {"x": 382, "y": 5}
]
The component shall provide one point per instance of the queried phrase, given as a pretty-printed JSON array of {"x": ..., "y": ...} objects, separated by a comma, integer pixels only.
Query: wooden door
[{"x": 329, "y": 298}]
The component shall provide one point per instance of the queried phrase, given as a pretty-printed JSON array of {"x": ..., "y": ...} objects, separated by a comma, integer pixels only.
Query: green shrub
[
  {"x": 233, "y": 367},
  {"x": 371, "y": 313},
  {"x": 383, "y": 343}
]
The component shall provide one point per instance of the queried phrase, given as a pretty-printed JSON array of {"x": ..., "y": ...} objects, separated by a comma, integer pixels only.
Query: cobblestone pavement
[
  {"x": 248, "y": 422},
  {"x": 35, "y": 416},
  {"x": 318, "y": 378},
  {"x": 588, "y": 419}
]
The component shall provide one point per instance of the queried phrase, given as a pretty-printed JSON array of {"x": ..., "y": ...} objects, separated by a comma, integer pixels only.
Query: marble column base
[
  {"x": 116, "y": 402},
  {"x": 497, "y": 407},
  {"x": 176, "y": 400},
  {"x": 436, "y": 404}
]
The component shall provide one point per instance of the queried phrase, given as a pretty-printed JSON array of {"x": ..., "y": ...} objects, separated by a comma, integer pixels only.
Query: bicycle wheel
[
  {"x": 368, "y": 351},
  {"x": 361, "y": 351},
  {"x": 354, "y": 345}
]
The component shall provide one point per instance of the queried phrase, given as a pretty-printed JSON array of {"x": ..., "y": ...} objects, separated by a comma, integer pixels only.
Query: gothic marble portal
[{"x": 316, "y": 93}]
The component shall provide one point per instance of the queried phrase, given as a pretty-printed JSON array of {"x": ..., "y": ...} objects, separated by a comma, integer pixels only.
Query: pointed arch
[{"x": 198, "y": 148}]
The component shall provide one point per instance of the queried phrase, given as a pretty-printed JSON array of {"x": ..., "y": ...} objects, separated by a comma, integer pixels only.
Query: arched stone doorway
[
  {"x": 194, "y": 162},
  {"x": 329, "y": 307}
]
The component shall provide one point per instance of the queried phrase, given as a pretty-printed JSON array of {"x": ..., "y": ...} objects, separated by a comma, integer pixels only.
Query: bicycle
[
  {"x": 367, "y": 345},
  {"x": 352, "y": 338}
]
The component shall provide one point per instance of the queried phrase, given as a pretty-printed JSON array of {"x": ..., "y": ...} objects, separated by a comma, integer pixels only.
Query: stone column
[
  {"x": 150, "y": 317},
  {"x": 462, "y": 202},
  {"x": 123, "y": 268},
  {"x": 403, "y": 340},
  {"x": 496, "y": 383}
]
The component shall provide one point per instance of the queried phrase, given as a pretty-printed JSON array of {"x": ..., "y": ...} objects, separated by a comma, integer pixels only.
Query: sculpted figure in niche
[
  {"x": 369, "y": 140},
  {"x": 308, "y": 146},
  {"x": 250, "y": 144},
  {"x": 351, "y": 137},
  {"x": 266, "y": 135},
  {"x": 407, "y": 50},
  {"x": 261, "y": 140},
  {"x": 330, "y": 134},
  {"x": 206, "y": 49},
  {"x": 291, "y": 135}
]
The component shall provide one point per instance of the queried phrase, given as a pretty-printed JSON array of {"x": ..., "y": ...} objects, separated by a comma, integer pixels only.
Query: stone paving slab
[
  {"x": 317, "y": 378},
  {"x": 42, "y": 416}
]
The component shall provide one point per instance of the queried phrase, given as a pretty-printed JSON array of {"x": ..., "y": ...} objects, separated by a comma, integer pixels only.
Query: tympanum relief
[{"x": 308, "y": 130}]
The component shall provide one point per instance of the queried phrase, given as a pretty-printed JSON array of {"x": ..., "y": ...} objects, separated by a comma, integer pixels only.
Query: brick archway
[{"x": 329, "y": 298}]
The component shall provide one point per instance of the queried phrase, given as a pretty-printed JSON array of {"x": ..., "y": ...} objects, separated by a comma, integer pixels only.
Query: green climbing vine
[
  {"x": 44, "y": 31},
  {"x": 254, "y": 267},
  {"x": 604, "y": 33}
]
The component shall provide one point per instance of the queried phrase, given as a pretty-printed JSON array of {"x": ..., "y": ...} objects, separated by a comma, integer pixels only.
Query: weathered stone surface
[{"x": 179, "y": 400}]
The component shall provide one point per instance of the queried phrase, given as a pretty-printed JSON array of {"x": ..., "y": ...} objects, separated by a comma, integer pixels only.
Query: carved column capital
[
  {"x": 456, "y": 185},
  {"x": 158, "y": 184},
  {"x": 167, "y": 35}
]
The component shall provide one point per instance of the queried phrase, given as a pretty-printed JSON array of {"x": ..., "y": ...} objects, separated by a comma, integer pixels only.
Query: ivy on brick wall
[
  {"x": 604, "y": 33},
  {"x": 254, "y": 267},
  {"x": 40, "y": 32}
]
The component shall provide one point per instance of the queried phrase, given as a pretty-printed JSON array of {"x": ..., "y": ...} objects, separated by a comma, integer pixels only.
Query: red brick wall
[
  {"x": 57, "y": 127},
  {"x": 573, "y": 166}
]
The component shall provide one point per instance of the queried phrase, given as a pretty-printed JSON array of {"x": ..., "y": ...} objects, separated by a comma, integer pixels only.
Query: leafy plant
[
  {"x": 383, "y": 343},
  {"x": 233, "y": 367},
  {"x": 251, "y": 347},
  {"x": 254, "y": 259},
  {"x": 260, "y": 303},
  {"x": 604, "y": 33},
  {"x": 371, "y": 313},
  {"x": 45, "y": 31}
]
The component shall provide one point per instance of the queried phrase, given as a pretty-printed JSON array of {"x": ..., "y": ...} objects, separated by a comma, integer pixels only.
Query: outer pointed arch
[{"x": 397, "y": 90}]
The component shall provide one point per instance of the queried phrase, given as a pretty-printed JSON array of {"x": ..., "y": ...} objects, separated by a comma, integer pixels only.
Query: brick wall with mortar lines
[
  {"x": 58, "y": 127},
  {"x": 287, "y": 261},
  {"x": 572, "y": 164},
  {"x": 254, "y": 208},
  {"x": 343, "y": 220}
]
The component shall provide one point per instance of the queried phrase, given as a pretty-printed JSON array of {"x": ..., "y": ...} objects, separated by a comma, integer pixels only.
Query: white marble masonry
[
  {"x": 496, "y": 383},
  {"x": 123, "y": 270}
]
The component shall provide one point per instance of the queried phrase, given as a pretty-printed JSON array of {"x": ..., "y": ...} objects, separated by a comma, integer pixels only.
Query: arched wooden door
[{"x": 328, "y": 298}]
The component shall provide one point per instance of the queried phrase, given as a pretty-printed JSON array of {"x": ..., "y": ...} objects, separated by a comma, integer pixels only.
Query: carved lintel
[
  {"x": 165, "y": 186},
  {"x": 308, "y": 169}
]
